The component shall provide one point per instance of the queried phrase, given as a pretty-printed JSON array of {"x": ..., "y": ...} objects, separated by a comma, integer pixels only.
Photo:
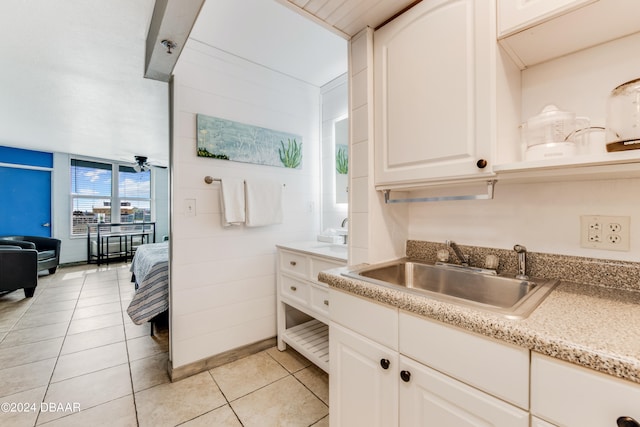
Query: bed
[{"x": 150, "y": 268}]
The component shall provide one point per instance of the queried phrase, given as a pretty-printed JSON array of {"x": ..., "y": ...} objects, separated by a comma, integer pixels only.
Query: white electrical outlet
[{"x": 605, "y": 232}]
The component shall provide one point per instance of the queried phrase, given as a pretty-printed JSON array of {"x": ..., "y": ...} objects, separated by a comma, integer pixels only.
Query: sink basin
[{"x": 506, "y": 295}]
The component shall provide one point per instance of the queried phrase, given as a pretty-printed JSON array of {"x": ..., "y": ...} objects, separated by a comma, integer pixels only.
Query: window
[
  {"x": 95, "y": 199},
  {"x": 134, "y": 189}
]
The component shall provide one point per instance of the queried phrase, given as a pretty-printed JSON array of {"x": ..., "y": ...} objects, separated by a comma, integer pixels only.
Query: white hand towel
[
  {"x": 264, "y": 203},
  {"x": 233, "y": 201}
]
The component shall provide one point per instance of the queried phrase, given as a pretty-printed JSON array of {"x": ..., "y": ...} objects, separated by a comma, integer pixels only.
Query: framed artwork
[{"x": 228, "y": 140}]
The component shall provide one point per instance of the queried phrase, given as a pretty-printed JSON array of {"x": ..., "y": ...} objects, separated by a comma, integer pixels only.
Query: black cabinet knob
[
  {"x": 405, "y": 375},
  {"x": 627, "y": 422},
  {"x": 385, "y": 363},
  {"x": 482, "y": 163}
]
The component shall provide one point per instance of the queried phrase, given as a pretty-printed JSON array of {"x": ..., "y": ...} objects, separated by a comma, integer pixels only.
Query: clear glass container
[
  {"x": 623, "y": 117},
  {"x": 550, "y": 126}
]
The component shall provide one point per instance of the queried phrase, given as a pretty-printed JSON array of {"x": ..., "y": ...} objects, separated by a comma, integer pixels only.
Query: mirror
[
  {"x": 341, "y": 146},
  {"x": 334, "y": 150}
]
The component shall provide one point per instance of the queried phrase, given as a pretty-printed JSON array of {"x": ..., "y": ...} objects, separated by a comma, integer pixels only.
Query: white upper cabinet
[
  {"x": 534, "y": 31},
  {"x": 434, "y": 94}
]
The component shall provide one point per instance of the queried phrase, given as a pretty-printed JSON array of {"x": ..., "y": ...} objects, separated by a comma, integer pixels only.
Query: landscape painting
[{"x": 228, "y": 140}]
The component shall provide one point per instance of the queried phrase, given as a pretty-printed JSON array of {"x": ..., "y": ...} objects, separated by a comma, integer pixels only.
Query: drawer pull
[
  {"x": 293, "y": 288},
  {"x": 385, "y": 363},
  {"x": 293, "y": 263},
  {"x": 405, "y": 375},
  {"x": 627, "y": 422},
  {"x": 326, "y": 302}
]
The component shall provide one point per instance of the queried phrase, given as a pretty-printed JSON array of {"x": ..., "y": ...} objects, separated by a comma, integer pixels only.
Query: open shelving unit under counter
[{"x": 303, "y": 301}]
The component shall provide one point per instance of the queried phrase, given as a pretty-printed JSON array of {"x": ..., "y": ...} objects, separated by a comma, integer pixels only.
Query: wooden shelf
[{"x": 311, "y": 339}]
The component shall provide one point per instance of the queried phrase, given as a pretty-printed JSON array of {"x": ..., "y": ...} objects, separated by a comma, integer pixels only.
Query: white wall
[
  {"x": 334, "y": 105},
  {"x": 223, "y": 279},
  {"x": 545, "y": 217},
  {"x": 377, "y": 232}
]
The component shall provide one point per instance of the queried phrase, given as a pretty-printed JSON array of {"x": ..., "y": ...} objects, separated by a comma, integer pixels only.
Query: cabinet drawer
[
  {"x": 295, "y": 290},
  {"x": 570, "y": 395},
  {"x": 293, "y": 263},
  {"x": 495, "y": 367},
  {"x": 320, "y": 300},
  {"x": 373, "y": 320}
]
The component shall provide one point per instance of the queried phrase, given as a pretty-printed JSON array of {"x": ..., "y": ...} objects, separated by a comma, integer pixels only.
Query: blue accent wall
[{"x": 18, "y": 156}]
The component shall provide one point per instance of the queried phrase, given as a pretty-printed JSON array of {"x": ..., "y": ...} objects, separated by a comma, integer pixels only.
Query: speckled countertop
[{"x": 593, "y": 326}]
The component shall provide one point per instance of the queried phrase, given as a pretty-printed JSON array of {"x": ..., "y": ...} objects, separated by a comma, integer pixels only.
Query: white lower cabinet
[
  {"x": 375, "y": 384},
  {"x": 363, "y": 381},
  {"x": 299, "y": 290},
  {"x": 429, "y": 398},
  {"x": 568, "y": 395}
]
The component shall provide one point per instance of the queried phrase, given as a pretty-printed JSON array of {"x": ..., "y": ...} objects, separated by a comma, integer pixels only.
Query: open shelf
[{"x": 311, "y": 339}]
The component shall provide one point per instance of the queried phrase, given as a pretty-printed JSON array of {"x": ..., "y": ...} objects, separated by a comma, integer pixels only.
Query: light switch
[{"x": 190, "y": 207}]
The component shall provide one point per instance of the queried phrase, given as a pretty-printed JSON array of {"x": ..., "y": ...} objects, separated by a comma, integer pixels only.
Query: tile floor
[{"x": 73, "y": 345}]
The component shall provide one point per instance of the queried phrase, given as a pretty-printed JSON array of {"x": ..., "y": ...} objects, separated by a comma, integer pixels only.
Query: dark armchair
[
  {"x": 48, "y": 249},
  {"x": 18, "y": 269}
]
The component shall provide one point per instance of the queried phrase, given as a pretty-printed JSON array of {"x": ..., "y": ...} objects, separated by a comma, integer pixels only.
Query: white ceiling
[
  {"x": 71, "y": 79},
  {"x": 71, "y": 71},
  {"x": 267, "y": 33}
]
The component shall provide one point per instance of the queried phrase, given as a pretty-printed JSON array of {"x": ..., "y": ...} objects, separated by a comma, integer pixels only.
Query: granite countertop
[
  {"x": 327, "y": 250},
  {"x": 592, "y": 326}
]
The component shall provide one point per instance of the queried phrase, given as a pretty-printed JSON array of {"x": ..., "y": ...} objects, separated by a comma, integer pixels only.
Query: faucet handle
[{"x": 519, "y": 249}]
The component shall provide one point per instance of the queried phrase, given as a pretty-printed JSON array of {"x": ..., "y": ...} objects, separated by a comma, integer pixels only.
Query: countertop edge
[
  {"x": 491, "y": 325},
  {"x": 327, "y": 250}
]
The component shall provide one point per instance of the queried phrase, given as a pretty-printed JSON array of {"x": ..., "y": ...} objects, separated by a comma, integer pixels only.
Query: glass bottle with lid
[{"x": 623, "y": 117}]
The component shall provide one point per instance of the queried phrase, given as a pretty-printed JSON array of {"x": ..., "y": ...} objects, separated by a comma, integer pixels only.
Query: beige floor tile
[
  {"x": 29, "y": 402},
  {"x": 290, "y": 359},
  {"x": 50, "y": 307},
  {"x": 322, "y": 423},
  {"x": 221, "y": 417},
  {"x": 51, "y": 295},
  {"x": 98, "y": 292},
  {"x": 243, "y": 376},
  {"x": 316, "y": 380},
  {"x": 118, "y": 413},
  {"x": 146, "y": 346},
  {"x": 99, "y": 300},
  {"x": 181, "y": 401},
  {"x": 42, "y": 319},
  {"x": 97, "y": 310},
  {"x": 135, "y": 331},
  {"x": 283, "y": 403},
  {"x": 89, "y": 390},
  {"x": 84, "y": 362},
  {"x": 29, "y": 335},
  {"x": 96, "y": 322},
  {"x": 149, "y": 372},
  {"x": 93, "y": 338},
  {"x": 29, "y": 353},
  {"x": 25, "y": 377}
]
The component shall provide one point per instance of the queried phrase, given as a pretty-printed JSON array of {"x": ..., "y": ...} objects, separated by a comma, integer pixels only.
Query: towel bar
[{"x": 209, "y": 180}]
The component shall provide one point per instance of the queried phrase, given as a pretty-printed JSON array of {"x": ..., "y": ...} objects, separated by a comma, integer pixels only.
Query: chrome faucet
[
  {"x": 344, "y": 222},
  {"x": 464, "y": 259},
  {"x": 522, "y": 262}
]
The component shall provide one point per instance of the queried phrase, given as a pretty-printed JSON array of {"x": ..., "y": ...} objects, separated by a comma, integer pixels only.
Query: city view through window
[{"x": 93, "y": 199}]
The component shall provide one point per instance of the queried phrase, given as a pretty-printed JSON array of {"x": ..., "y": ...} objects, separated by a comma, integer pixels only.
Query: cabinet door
[
  {"x": 363, "y": 392},
  {"x": 571, "y": 395},
  {"x": 434, "y": 96},
  {"x": 537, "y": 422},
  {"x": 429, "y": 398}
]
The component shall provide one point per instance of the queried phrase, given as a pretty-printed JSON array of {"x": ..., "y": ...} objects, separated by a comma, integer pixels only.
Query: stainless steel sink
[{"x": 506, "y": 295}]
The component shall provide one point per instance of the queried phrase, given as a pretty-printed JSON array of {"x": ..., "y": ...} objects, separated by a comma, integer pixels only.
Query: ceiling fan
[{"x": 141, "y": 164}]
